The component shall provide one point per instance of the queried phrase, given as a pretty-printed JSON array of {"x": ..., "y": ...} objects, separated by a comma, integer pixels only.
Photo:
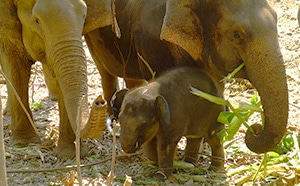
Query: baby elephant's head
[{"x": 140, "y": 117}]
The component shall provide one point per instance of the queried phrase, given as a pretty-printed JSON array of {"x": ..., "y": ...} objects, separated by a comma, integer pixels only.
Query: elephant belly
[{"x": 106, "y": 52}]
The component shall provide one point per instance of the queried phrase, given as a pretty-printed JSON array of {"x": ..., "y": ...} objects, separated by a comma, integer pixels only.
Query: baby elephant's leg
[
  {"x": 150, "y": 150},
  {"x": 165, "y": 154},
  {"x": 217, "y": 162},
  {"x": 191, "y": 150}
]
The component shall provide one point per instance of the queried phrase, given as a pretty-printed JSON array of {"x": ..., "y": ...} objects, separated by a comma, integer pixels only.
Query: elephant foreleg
[
  {"x": 66, "y": 146},
  {"x": 150, "y": 150},
  {"x": 165, "y": 154},
  {"x": 17, "y": 69}
]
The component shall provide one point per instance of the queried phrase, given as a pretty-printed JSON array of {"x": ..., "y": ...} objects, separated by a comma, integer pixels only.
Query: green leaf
[
  {"x": 225, "y": 117},
  {"x": 233, "y": 127},
  {"x": 36, "y": 105},
  {"x": 208, "y": 97},
  {"x": 232, "y": 74},
  {"x": 255, "y": 100},
  {"x": 252, "y": 107},
  {"x": 273, "y": 155}
]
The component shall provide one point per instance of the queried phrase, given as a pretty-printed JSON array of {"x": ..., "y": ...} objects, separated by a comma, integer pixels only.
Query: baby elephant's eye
[{"x": 143, "y": 126}]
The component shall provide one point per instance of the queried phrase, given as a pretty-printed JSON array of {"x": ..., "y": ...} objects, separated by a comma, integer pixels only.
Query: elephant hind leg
[
  {"x": 217, "y": 162},
  {"x": 133, "y": 83},
  {"x": 191, "y": 150},
  {"x": 110, "y": 85}
]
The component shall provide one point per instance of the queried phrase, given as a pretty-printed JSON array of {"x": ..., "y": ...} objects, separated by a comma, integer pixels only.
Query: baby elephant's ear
[
  {"x": 163, "y": 109},
  {"x": 116, "y": 101}
]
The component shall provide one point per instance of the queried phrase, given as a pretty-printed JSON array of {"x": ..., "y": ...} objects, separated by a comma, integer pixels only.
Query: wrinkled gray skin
[
  {"x": 215, "y": 35},
  {"x": 155, "y": 116},
  {"x": 49, "y": 32}
]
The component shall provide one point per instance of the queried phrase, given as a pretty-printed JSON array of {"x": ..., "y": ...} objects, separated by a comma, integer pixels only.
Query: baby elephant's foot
[
  {"x": 217, "y": 165},
  {"x": 160, "y": 175},
  {"x": 23, "y": 139}
]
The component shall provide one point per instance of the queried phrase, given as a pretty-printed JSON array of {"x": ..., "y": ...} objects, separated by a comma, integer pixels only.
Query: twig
[
  {"x": 232, "y": 142},
  {"x": 77, "y": 145},
  {"x": 147, "y": 65},
  {"x": 32, "y": 86},
  {"x": 73, "y": 167},
  {"x": 292, "y": 76},
  {"x": 2, "y": 151},
  {"x": 294, "y": 105},
  {"x": 115, "y": 25},
  {"x": 113, "y": 161},
  {"x": 20, "y": 101}
]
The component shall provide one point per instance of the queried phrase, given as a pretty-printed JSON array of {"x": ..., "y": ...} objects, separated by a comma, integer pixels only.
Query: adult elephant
[
  {"x": 50, "y": 32},
  {"x": 216, "y": 35}
]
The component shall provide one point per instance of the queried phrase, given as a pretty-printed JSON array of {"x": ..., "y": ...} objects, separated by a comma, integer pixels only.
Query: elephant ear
[
  {"x": 11, "y": 28},
  {"x": 99, "y": 14},
  {"x": 182, "y": 27},
  {"x": 117, "y": 100},
  {"x": 163, "y": 110}
]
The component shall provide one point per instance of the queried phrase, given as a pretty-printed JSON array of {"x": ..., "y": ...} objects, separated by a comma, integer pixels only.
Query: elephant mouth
[{"x": 132, "y": 149}]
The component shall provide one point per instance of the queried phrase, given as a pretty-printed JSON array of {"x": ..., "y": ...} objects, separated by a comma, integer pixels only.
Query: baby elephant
[{"x": 158, "y": 114}]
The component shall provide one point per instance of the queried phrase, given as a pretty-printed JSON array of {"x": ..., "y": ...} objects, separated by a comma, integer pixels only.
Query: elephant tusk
[
  {"x": 97, "y": 119},
  {"x": 136, "y": 145}
]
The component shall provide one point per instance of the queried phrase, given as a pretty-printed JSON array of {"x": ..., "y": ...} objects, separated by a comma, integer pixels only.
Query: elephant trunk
[
  {"x": 266, "y": 71},
  {"x": 97, "y": 119},
  {"x": 70, "y": 68}
]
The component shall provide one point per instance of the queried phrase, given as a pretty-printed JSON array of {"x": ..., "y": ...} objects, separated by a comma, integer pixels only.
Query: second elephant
[
  {"x": 158, "y": 114},
  {"x": 215, "y": 35}
]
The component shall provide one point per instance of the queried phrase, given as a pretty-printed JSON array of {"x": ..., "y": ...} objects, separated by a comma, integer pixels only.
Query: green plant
[
  {"x": 282, "y": 164},
  {"x": 35, "y": 105}
]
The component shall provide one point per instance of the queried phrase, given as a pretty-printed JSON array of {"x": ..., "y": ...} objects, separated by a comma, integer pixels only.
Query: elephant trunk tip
[
  {"x": 100, "y": 102},
  {"x": 261, "y": 141},
  {"x": 97, "y": 119}
]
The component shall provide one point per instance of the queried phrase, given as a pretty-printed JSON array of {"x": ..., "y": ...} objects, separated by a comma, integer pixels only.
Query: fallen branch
[
  {"x": 111, "y": 175},
  {"x": 72, "y": 167}
]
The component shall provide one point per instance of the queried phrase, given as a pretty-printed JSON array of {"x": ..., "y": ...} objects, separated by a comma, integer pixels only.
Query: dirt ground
[{"x": 38, "y": 165}]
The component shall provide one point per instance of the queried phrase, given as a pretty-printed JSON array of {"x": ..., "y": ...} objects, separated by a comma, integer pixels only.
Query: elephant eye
[
  {"x": 237, "y": 36},
  {"x": 37, "y": 21}
]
